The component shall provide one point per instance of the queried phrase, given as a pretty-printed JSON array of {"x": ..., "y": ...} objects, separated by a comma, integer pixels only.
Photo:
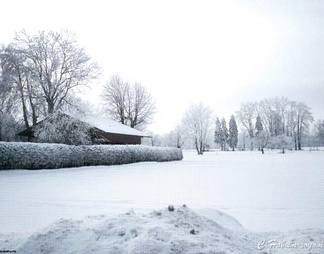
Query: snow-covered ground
[{"x": 264, "y": 193}]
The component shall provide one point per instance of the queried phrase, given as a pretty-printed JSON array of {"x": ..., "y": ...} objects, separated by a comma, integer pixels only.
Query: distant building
[{"x": 72, "y": 130}]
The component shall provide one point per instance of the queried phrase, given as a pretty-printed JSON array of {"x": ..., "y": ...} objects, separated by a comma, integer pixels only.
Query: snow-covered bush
[
  {"x": 281, "y": 142},
  {"x": 63, "y": 129},
  {"x": 50, "y": 156}
]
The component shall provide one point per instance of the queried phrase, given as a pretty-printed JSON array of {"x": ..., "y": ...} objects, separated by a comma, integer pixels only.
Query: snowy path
[{"x": 263, "y": 192}]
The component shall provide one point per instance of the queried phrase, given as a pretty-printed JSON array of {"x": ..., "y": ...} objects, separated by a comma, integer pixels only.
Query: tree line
[
  {"x": 274, "y": 123},
  {"x": 275, "y": 119}
]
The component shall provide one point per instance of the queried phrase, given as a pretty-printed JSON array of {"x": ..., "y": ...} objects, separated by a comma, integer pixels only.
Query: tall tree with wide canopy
[
  {"x": 56, "y": 64},
  {"x": 197, "y": 120},
  {"x": 130, "y": 104}
]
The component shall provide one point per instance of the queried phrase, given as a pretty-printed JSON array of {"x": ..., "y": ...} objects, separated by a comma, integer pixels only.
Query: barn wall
[{"x": 122, "y": 139}]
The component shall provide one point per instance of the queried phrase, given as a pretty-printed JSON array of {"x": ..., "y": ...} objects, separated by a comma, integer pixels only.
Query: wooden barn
[{"x": 99, "y": 130}]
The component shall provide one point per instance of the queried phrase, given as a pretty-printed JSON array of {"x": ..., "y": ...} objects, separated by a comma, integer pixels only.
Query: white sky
[{"x": 222, "y": 53}]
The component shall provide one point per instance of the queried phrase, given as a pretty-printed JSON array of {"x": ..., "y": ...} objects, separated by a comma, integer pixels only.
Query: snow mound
[
  {"x": 12, "y": 241},
  {"x": 164, "y": 231},
  {"x": 221, "y": 218}
]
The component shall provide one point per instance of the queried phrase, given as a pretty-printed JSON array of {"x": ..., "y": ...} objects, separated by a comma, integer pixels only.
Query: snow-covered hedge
[{"x": 50, "y": 156}]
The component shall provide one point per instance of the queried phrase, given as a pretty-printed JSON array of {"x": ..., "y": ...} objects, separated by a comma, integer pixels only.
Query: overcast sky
[{"x": 222, "y": 53}]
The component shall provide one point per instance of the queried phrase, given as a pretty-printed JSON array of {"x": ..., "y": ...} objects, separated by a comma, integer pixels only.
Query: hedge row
[{"x": 51, "y": 156}]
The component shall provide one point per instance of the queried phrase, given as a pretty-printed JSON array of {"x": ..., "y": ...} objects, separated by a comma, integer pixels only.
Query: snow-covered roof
[{"x": 111, "y": 126}]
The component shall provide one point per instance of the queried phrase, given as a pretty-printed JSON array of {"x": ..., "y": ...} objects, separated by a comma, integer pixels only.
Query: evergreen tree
[
  {"x": 258, "y": 125},
  {"x": 319, "y": 132},
  {"x": 218, "y": 133},
  {"x": 262, "y": 137},
  {"x": 233, "y": 133},
  {"x": 224, "y": 134},
  {"x": 277, "y": 124}
]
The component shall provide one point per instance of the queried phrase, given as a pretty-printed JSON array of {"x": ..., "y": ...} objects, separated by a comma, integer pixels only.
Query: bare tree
[
  {"x": 176, "y": 137},
  {"x": 115, "y": 95},
  {"x": 304, "y": 119},
  {"x": 131, "y": 105},
  {"x": 246, "y": 115},
  {"x": 179, "y": 136},
  {"x": 16, "y": 74},
  {"x": 319, "y": 132},
  {"x": 56, "y": 64},
  {"x": 197, "y": 120},
  {"x": 7, "y": 102}
]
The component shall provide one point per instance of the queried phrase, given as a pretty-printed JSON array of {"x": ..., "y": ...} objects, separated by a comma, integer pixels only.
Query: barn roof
[
  {"x": 111, "y": 126},
  {"x": 103, "y": 124}
]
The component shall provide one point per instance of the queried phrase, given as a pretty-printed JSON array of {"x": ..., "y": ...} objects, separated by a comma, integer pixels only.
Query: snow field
[
  {"x": 52, "y": 156},
  {"x": 280, "y": 194}
]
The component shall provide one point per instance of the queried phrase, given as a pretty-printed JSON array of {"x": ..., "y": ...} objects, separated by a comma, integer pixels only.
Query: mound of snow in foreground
[{"x": 164, "y": 231}]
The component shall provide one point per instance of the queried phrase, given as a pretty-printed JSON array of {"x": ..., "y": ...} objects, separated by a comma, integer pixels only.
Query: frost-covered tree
[
  {"x": 140, "y": 107},
  {"x": 258, "y": 125},
  {"x": 274, "y": 114},
  {"x": 176, "y": 137},
  {"x": 63, "y": 129},
  {"x": 218, "y": 132},
  {"x": 303, "y": 119},
  {"x": 280, "y": 116},
  {"x": 281, "y": 142},
  {"x": 221, "y": 134},
  {"x": 224, "y": 134},
  {"x": 8, "y": 106},
  {"x": 130, "y": 104},
  {"x": 44, "y": 70},
  {"x": 319, "y": 132},
  {"x": 197, "y": 120},
  {"x": 8, "y": 127},
  {"x": 277, "y": 124},
  {"x": 115, "y": 96},
  {"x": 232, "y": 133},
  {"x": 261, "y": 135},
  {"x": 56, "y": 64},
  {"x": 15, "y": 76},
  {"x": 246, "y": 116},
  {"x": 262, "y": 139}
]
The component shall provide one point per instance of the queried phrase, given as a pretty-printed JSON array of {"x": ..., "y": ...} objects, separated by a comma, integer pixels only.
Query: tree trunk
[
  {"x": 0, "y": 130},
  {"x": 34, "y": 114},
  {"x": 25, "y": 115},
  {"x": 196, "y": 145},
  {"x": 299, "y": 144},
  {"x": 299, "y": 139},
  {"x": 50, "y": 106}
]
